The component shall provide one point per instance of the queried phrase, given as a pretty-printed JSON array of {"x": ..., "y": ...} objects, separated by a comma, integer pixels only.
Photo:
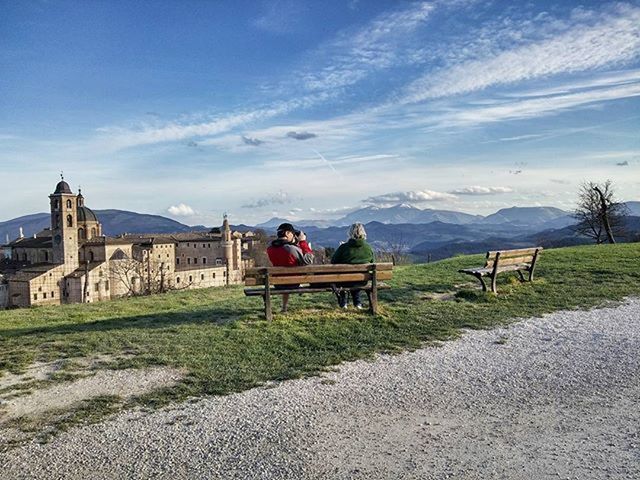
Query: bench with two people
[{"x": 353, "y": 270}]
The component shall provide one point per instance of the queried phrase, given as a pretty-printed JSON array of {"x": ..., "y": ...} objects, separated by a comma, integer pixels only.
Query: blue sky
[{"x": 308, "y": 109}]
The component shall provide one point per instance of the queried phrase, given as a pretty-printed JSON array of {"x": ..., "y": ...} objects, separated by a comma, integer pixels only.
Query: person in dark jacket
[
  {"x": 355, "y": 251},
  {"x": 290, "y": 249}
]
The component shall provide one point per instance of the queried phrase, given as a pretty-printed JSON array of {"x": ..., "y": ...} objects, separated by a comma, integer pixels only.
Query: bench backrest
[
  {"x": 512, "y": 257},
  {"x": 318, "y": 274}
]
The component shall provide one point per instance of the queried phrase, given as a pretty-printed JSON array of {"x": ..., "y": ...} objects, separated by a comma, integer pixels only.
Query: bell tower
[{"x": 64, "y": 231}]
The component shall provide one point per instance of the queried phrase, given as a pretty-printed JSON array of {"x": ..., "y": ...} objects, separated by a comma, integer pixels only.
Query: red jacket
[{"x": 285, "y": 254}]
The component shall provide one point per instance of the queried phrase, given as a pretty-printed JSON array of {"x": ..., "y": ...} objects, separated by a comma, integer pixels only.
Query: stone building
[{"x": 73, "y": 262}]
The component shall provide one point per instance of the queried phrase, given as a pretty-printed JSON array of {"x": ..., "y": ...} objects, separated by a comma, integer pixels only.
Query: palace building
[{"x": 73, "y": 262}]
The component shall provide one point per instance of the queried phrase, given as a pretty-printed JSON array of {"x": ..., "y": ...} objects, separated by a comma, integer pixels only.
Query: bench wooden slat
[
  {"x": 326, "y": 277},
  {"x": 254, "y": 292},
  {"x": 511, "y": 253},
  {"x": 317, "y": 268},
  {"x": 511, "y": 261}
]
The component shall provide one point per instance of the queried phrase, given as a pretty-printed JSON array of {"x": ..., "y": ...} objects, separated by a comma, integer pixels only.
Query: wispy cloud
[
  {"x": 613, "y": 40},
  {"x": 385, "y": 42},
  {"x": 420, "y": 196},
  {"x": 479, "y": 190}
]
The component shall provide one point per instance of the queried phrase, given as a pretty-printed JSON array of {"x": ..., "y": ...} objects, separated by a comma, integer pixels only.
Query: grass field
[{"x": 219, "y": 338}]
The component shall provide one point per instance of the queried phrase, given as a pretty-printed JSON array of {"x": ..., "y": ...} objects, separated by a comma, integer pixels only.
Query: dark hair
[{"x": 284, "y": 228}]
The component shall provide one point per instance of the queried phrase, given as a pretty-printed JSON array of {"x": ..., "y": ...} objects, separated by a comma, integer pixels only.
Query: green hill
[{"x": 219, "y": 337}]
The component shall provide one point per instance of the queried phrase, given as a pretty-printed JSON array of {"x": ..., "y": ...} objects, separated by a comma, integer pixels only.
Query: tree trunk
[{"x": 605, "y": 215}]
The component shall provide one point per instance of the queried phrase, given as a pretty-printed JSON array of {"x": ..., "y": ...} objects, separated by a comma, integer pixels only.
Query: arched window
[
  {"x": 93, "y": 232},
  {"x": 69, "y": 204},
  {"x": 56, "y": 204},
  {"x": 91, "y": 256},
  {"x": 81, "y": 234},
  {"x": 56, "y": 221},
  {"x": 69, "y": 221}
]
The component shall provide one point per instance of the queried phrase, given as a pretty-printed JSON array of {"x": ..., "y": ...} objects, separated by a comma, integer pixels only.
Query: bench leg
[
  {"x": 285, "y": 302},
  {"x": 267, "y": 306},
  {"x": 522, "y": 279},
  {"x": 494, "y": 289},
  {"x": 484, "y": 285}
]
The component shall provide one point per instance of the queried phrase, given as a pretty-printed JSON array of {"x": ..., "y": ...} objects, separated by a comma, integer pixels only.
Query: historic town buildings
[{"x": 73, "y": 262}]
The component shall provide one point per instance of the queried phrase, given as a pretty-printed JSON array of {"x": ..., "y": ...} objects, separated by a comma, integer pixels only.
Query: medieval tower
[{"x": 63, "y": 226}]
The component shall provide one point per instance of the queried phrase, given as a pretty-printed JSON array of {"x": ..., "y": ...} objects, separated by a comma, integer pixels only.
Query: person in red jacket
[{"x": 290, "y": 249}]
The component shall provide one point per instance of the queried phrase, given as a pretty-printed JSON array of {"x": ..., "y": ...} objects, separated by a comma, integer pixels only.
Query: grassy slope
[{"x": 218, "y": 336}]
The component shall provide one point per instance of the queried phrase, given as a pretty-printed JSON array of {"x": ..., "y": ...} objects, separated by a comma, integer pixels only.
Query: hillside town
[{"x": 73, "y": 262}]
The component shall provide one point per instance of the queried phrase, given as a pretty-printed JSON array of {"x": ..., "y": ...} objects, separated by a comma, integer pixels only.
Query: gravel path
[{"x": 552, "y": 397}]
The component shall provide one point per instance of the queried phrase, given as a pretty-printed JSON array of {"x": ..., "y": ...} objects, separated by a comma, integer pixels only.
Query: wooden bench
[
  {"x": 316, "y": 278},
  {"x": 521, "y": 260}
]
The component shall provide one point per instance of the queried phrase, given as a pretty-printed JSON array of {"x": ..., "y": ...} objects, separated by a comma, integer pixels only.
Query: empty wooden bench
[
  {"x": 316, "y": 278},
  {"x": 522, "y": 261}
]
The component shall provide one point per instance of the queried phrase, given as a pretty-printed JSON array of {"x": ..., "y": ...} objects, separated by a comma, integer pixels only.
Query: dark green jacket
[{"x": 354, "y": 251}]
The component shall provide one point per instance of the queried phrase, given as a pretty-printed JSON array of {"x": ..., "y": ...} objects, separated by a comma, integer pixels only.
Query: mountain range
[{"x": 424, "y": 233}]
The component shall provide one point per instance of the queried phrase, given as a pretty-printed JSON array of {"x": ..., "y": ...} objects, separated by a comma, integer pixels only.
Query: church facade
[{"x": 73, "y": 262}]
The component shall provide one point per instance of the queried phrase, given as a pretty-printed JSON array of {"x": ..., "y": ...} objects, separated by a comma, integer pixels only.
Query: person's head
[
  {"x": 286, "y": 232},
  {"x": 357, "y": 232}
]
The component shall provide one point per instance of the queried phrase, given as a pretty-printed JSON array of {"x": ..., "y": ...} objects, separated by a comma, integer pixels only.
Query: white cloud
[
  {"x": 181, "y": 210},
  {"x": 479, "y": 190},
  {"x": 420, "y": 196}
]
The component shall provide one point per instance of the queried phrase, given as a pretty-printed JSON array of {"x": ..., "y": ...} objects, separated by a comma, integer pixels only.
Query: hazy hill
[
  {"x": 114, "y": 222},
  {"x": 526, "y": 215}
]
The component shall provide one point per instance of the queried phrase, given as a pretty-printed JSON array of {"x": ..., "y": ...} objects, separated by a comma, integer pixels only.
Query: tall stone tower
[
  {"x": 227, "y": 242},
  {"x": 64, "y": 226}
]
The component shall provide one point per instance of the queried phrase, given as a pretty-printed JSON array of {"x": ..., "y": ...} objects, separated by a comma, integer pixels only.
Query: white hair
[{"x": 357, "y": 232}]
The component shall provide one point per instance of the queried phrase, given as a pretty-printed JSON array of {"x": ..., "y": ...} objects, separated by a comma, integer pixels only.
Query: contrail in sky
[{"x": 328, "y": 163}]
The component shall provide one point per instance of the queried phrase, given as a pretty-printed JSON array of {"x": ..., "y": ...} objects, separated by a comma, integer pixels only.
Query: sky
[{"x": 308, "y": 110}]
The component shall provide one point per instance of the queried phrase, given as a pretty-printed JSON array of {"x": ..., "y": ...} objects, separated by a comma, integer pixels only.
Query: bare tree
[
  {"x": 599, "y": 215},
  {"x": 396, "y": 252}
]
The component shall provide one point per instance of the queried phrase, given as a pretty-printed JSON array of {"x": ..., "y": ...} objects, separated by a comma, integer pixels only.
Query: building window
[
  {"x": 35, "y": 296},
  {"x": 81, "y": 234},
  {"x": 44, "y": 295},
  {"x": 204, "y": 260},
  {"x": 218, "y": 261},
  {"x": 68, "y": 203},
  {"x": 224, "y": 274},
  {"x": 39, "y": 289},
  {"x": 91, "y": 256},
  {"x": 93, "y": 232},
  {"x": 189, "y": 260},
  {"x": 106, "y": 285},
  {"x": 177, "y": 279},
  {"x": 187, "y": 244},
  {"x": 214, "y": 275},
  {"x": 56, "y": 204},
  {"x": 56, "y": 221},
  {"x": 69, "y": 221},
  {"x": 46, "y": 258},
  {"x": 177, "y": 261},
  {"x": 195, "y": 259},
  {"x": 202, "y": 276},
  {"x": 97, "y": 287},
  {"x": 204, "y": 246},
  {"x": 52, "y": 295},
  {"x": 190, "y": 278}
]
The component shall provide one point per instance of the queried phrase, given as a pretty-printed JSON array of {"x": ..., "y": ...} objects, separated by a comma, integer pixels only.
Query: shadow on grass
[{"x": 219, "y": 315}]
